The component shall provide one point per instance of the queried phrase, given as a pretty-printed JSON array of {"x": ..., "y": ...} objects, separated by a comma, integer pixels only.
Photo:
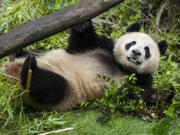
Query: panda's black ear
[
  {"x": 135, "y": 27},
  {"x": 162, "y": 47}
]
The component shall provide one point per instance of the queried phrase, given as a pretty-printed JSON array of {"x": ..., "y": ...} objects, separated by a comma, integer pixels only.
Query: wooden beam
[{"x": 53, "y": 23}]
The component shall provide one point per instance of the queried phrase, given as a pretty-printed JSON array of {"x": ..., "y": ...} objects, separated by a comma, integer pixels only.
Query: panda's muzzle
[{"x": 134, "y": 60}]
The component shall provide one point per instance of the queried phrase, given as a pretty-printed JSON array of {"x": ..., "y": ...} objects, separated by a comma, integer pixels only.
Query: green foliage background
[{"x": 15, "y": 118}]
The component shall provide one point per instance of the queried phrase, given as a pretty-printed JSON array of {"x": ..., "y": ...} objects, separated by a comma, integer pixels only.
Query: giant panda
[{"x": 63, "y": 78}]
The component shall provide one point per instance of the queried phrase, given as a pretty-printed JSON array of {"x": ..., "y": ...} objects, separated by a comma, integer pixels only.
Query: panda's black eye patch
[
  {"x": 147, "y": 52},
  {"x": 128, "y": 45}
]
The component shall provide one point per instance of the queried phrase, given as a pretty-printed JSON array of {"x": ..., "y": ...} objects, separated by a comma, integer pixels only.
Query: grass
[{"x": 84, "y": 122}]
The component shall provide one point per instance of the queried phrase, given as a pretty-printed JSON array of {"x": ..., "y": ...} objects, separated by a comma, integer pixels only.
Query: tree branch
[
  {"x": 159, "y": 14},
  {"x": 53, "y": 23}
]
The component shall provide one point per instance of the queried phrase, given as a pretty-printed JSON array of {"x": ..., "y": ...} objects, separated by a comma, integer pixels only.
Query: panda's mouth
[{"x": 133, "y": 60}]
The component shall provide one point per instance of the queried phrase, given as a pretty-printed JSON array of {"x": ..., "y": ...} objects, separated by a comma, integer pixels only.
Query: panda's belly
[{"x": 90, "y": 63}]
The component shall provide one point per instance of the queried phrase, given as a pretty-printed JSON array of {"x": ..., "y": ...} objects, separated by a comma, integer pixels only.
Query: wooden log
[{"x": 53, "y": 23}]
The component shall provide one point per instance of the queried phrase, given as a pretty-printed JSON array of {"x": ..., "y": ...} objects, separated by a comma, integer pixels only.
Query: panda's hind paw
[{"x": 12, "y": 68}]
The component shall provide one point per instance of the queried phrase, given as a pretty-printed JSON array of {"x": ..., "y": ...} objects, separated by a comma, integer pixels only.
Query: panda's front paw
[
  {"x": 135, "y": 27},
  {"x": 82, "y": 27}
]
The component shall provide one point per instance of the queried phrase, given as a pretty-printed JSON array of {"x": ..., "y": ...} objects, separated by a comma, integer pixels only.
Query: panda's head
[{"x": 138, "y": 52}]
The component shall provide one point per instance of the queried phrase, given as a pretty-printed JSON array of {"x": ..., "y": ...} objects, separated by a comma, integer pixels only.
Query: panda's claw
[{"x": 82, "y": 27}]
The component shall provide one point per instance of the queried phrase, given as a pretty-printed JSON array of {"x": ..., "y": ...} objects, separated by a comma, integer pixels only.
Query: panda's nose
[{"x": 136, "y": 52}]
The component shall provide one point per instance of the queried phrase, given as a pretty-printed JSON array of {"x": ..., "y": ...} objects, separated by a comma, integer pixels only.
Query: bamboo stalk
[{"x": 28, "y": 82}]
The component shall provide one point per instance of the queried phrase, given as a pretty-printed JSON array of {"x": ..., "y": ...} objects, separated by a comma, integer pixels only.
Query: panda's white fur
[{"x": 143, "y": 40}]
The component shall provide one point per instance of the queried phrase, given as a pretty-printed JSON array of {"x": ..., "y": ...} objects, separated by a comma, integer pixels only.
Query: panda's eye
[
  {"x": 147, "y": 52},
  {"x": 128, "y": 45}
]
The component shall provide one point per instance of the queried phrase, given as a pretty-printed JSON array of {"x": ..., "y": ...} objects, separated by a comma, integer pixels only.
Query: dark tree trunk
[
  {"x": 171, "y": 5},
  {"x": 52, "y": 24}
]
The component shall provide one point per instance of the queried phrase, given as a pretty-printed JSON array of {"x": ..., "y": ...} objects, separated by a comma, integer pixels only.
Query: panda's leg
[
  {"x": 149, "y": 94},
  {"x": 82, "y": 37},
  {"x": 46, "y": 87}
]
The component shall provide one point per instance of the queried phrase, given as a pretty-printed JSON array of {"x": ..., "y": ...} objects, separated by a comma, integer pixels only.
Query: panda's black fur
[{"x": 49, "y": 89}]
